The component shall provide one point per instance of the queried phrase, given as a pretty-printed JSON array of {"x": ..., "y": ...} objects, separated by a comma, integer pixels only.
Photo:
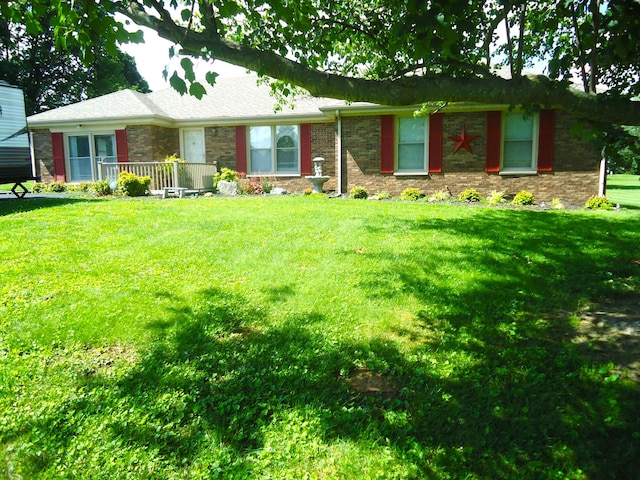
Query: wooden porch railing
[{"x": 192, "y": 176}]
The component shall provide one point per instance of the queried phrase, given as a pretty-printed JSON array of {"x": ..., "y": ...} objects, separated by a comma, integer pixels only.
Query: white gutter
[{"x": 339, "y": 118}]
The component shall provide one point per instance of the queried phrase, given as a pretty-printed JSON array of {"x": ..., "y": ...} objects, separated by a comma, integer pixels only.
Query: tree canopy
[
  {"x": 51, "y": 77},
  {"x": 388, "y": 51}
]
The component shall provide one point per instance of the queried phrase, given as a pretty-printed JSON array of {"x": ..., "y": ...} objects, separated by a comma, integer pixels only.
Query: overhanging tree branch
[{"x": 411, "y": 90}]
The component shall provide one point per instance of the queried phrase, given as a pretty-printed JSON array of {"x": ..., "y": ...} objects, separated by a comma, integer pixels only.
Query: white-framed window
[
  {"x": 520, "y": 143},
  {"x": 274, "y": 150},
  {"x": 85, "y": 151},
  {"x": 412, "y": 148}
]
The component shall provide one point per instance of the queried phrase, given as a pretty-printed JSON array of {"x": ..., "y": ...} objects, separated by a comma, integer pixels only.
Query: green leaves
[{"x": 178, "y": 84}]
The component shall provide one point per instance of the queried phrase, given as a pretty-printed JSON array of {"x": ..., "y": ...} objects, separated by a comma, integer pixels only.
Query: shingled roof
[{"x": 231, "y": 100}]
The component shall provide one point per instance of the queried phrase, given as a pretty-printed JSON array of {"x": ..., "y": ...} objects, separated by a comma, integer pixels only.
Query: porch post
[{"x": 175, "y": 175}]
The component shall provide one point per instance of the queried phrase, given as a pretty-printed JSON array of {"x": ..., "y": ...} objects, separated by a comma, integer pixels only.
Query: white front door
[{"x": 193, "y": 145}]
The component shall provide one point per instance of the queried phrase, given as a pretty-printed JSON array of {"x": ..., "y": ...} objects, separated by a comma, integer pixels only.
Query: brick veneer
[
  {"x": 220, "y": 144},
  {"x": 574, "y": 177},
  {"x": 43, "y": 150},
  {"x": 150, "y": 143}
]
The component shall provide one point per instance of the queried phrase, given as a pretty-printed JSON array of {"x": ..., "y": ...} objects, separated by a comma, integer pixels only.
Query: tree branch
[
  {"x": 411, "y": 90},
  {"x": 486, "y": 46}
]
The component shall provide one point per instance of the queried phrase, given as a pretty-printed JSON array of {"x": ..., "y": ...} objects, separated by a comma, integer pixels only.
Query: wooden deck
[{"x": 166, "y": 177}]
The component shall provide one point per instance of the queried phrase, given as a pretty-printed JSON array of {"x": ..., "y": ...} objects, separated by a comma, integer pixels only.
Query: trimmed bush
[
  {"x": 523, "y": 198},
  {"x": 102, "y": 188},
  {"x": 598, "y": 203},
  {"x": 469, "y": 195},
  {"x": 39, "y": 187},
  {"x": 440, "y": 196},
  {"x": 411, "y": 194},
  {"x": 57, "y": 187},
  {"x": 359, "y": 193},
  {"x": 496, "y": 197},
  {"x": 133, "y": 185},
  {"x": 225, "y": 174},
  {"x": 83, "y": 187}
]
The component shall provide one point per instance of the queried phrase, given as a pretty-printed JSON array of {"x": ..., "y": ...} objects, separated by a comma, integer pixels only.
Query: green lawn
[
  {"x": 625, "y": 190},
  {"x": 295, "y": 337},
  {"x": 8, "y": 186}
]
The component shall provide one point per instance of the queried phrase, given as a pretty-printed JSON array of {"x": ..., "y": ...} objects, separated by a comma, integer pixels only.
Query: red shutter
[
  {"x": 435, "y": 142},
  {"x": 546, "y": 135},
  {"x": 387, "y": 148},
  {"x": 241, "y": 149},
  {"x": 305, "y": 149},
  {"x": 57, "y": 143},
  {"x": 494, "y": 141},
  {"x": 122, "y": 147}
]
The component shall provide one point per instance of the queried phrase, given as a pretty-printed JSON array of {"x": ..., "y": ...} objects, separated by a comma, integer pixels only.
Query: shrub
[
  {"x": 469, "y": 195},
  {"x": 598, "y": 203},
  {"x": 496, "y": 197},
  {"x": 411, "y": 194},
  {"x": 267, "y": 186},
  {"x": 307, "y": 192},
  {"x": 523, "y": 198},
  {"x": 133, "y": 185},
  {"x": 225, "y": 174},
  {"x": 102, "y": 188},
  {"x": 250, "y": 187},
  {"x": 174, "y": 158},
  {"x": 383, "y": 195},
  {"x": 440, "y": 196},
  {"x": 557, "y": 204},
  {"x": 359, "y": 193},
  {"x": 57, "y": 187},
  {"x": 80, "y": 187},
  {"x": 39, "y": 187}
]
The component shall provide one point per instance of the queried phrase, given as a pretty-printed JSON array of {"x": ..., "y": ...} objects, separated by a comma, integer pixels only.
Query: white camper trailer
[{"x": 15, "y": 158}]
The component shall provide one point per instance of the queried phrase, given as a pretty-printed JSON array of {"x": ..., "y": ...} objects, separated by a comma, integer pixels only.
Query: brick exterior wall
[
  {"x": 149, "y": 143},
  {"x": 575, "y": 168},
  {"x": 44, "y": 154},
  {"x": 574, "y": 177},
  {"x": 220, "y": 144}
]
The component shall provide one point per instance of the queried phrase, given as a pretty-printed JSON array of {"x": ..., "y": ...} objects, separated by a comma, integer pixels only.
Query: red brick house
[{"x": 485, "y": 147}]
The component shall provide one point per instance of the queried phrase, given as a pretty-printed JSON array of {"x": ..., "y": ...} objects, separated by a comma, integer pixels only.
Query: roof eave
[
  {"x": 60, "y": 125},
  {"x": 254, "y": 120},
  {"x": 353, "y": 110}
]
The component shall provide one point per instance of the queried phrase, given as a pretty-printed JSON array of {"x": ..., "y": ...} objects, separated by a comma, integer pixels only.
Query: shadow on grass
[
  {"x": 13, "y": 205},
  {"x": 491, "y": 389},
  {"x": 624, "y": 187}
]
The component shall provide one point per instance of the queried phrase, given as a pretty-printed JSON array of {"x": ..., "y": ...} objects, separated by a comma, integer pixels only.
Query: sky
[{"x": 153, "y": 55}]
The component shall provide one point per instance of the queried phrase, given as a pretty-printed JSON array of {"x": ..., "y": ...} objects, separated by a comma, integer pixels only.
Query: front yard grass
[
  {"x": 298, "y": 337},
  {"x": 624, "y": 190}
]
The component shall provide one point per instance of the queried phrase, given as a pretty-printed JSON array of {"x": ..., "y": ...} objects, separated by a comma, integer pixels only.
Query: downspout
[
  {"x": 32, "y": 154},
  {"x": 339, "y": 118}
]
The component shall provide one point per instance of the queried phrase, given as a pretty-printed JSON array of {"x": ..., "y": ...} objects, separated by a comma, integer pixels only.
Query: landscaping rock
[{"x": 227, "y": 188}]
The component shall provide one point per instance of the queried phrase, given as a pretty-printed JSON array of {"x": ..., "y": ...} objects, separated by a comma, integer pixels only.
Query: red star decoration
[{"x": 463, "y": 140}]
